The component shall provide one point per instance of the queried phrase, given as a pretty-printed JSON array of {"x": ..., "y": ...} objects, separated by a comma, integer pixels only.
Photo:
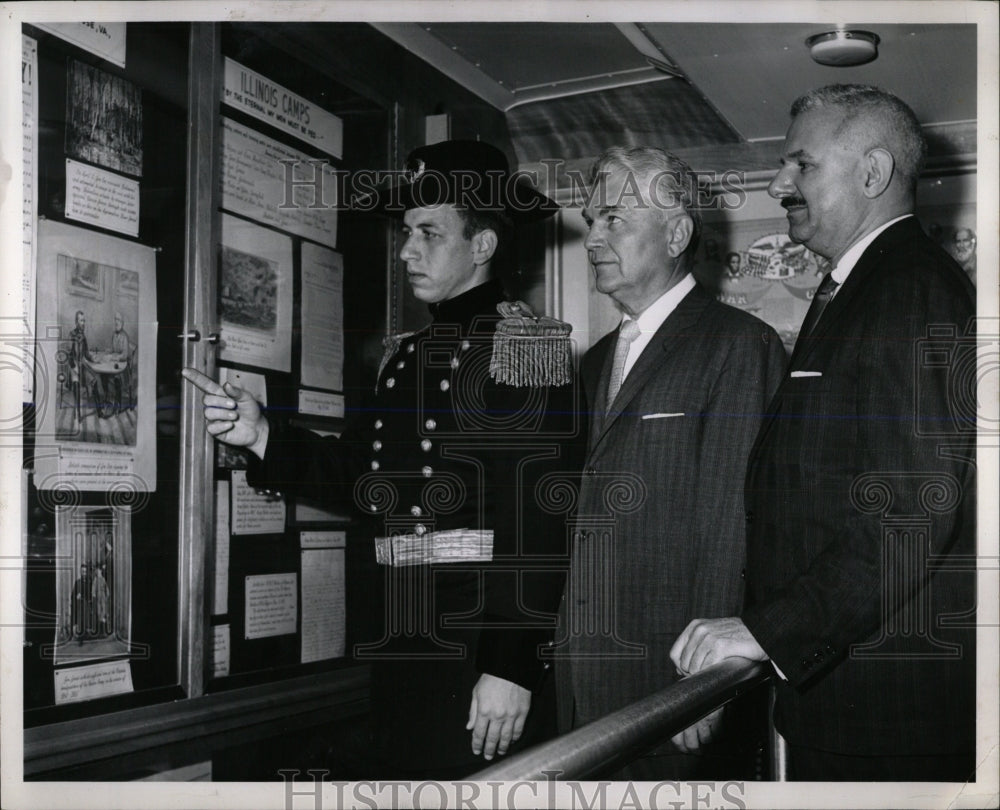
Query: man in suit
[
  {"x": 444, "y": 461},
  {"x": 859, "y": 491},
  {"x": 674, "y": 396}
]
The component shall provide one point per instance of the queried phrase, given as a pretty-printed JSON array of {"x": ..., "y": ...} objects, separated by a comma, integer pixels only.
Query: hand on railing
[
  {"x": 695, "y": 737},
  {"x": 705, "y": 642},
  {"x": 604, "y": 745}
]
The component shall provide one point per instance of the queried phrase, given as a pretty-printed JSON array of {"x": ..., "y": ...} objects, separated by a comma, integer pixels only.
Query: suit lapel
[
  {"x": 838, "y": 309},
  {"x": 870, "y": 260},
  {"x": 678, "y": 323}
]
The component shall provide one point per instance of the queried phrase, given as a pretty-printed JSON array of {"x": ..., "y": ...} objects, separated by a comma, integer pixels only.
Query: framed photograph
[
  {"x": 103, "y": 119},
  {"x": 255, "y": 295},
  {"x": 93, "y": 583}
]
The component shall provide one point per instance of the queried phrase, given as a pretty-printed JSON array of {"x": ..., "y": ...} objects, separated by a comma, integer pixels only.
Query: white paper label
[
  {"x": 270, "y": 605},
  {"x": 316, "y": 403},
  {"x": 102, "y": 198},
  {"x": 94, "y": 681}
]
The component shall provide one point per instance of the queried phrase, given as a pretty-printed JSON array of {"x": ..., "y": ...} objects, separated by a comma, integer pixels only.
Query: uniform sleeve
[
  {"x": 525, "y": 581},
  {"x": 299, "y": 462}
]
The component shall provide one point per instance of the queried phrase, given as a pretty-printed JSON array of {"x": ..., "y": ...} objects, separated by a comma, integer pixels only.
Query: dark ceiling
[{"x": 703, "y": 89}]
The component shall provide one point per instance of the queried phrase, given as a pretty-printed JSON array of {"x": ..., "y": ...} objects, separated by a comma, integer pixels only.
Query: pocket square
[
  {"x": 660, "y": 415},
  {"x": 795, "y": 374}
]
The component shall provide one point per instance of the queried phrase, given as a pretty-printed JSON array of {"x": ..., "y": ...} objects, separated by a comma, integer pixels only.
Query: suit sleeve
[
  {"x": 809, "y": 625},
  {"x": 524, "y": 584},
  {"x": 753, "y": 368}
]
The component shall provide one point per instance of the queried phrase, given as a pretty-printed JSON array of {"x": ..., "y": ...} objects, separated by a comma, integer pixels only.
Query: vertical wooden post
[{"x": 196, "y": 527}]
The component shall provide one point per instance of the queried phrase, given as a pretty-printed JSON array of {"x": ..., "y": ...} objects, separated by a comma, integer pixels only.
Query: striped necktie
[
  {"x": 627, "y": 332},
  {"x": 824, "y": 294}
]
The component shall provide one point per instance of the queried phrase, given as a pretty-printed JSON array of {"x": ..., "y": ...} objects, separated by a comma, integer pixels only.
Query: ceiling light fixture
[{"x": 843, "y": 48}]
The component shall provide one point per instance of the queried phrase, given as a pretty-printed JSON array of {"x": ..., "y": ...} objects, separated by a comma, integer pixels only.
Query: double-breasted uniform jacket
[
  {"x": 659, "y": 535},
  {"x": 442, "y": 447},
  {"x": 860, "y": 498}
]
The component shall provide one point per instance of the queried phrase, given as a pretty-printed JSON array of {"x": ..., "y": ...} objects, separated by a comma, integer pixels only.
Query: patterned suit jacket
[
  {"x": 861, "y": 498},
  {"x": 659, "y": 536}
]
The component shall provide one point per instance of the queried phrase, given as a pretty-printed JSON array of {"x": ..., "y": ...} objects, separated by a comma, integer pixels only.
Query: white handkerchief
[
  {"x": 660, "y": 415},
  {"x": 806, "y": 374}
]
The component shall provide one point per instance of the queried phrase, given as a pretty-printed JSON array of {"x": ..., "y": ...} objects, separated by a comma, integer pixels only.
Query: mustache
[{"x": 788, "y": 202}]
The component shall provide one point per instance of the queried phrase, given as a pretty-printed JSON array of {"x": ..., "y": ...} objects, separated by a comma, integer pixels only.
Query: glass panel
[
  {"x": 273, "y": 560},
  {"x": 102, "y": 558}
]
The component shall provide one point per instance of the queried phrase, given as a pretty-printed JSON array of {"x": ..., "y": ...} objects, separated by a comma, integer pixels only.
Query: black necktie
[{"x": 824, "y": 294}]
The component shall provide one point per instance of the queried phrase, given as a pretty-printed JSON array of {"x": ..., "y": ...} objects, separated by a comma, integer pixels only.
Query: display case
[{"x": 190, "y": 210}]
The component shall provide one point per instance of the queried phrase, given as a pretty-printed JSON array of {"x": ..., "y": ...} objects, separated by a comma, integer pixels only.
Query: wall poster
[
  {"x": 96, "y": 351},
  {"x": 255, "y": 295},
  {"x": 323, "y": 595},
  {"x": 29, "y": 167},
  {"x": 322, "y": 318},
  {"x": 106, "y": 39},
  {"x": 747, "y": 259}
]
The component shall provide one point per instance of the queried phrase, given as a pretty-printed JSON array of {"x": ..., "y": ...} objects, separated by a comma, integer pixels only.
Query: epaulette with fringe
[{"x": 530, "y": 350}]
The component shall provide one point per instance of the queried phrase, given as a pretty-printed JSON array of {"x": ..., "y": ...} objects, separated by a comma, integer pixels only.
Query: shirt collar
[
  {"x": 653, "y": 316},
  {"x": 853, "y": 253}
]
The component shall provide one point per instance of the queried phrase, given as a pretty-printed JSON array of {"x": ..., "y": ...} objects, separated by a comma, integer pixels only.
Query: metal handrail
[{"x": 606, "y": 744}]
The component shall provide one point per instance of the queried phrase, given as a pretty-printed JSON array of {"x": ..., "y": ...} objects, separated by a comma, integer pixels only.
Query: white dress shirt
[
  {"x": 653, "y": 316},
  {"x": 853, "y": 253}
]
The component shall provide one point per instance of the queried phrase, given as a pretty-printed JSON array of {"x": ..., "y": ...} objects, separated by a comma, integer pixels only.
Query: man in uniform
[
  {"x": 468, "y": 416},
  {"x": 80, "y": 355}
]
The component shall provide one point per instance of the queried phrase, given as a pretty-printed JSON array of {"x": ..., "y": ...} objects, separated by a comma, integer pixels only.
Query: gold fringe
[{"x": 534, "y": 352}]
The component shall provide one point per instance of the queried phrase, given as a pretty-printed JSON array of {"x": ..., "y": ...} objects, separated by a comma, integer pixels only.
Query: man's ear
[
  {"x": 680, "y": 231},
  {"x": 484, "y": 245},
  {"x": 879, "y": 166}
]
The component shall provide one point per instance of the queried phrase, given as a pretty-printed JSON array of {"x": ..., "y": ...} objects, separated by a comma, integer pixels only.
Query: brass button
[
  {"x": 420, "y": 529},
  {"x": 378, "y": 424},
  {"x": 375, "y": 466},
  {"x": 416, "y": 511},
  {"x": 465, "y": 345},
  {"x": 427, "y": 471},
  {"x": 426, "y": 445},
  {"x": 410, "y": 348},
  {"x": 401, "y": 364},
  {"x": 430, "y": 424},
  {"x": 376, "y": 445},
  {"x": 390, "y": 383},
  {"x": 445, "y": 385},
  {"x": 454, "y": 362}
]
